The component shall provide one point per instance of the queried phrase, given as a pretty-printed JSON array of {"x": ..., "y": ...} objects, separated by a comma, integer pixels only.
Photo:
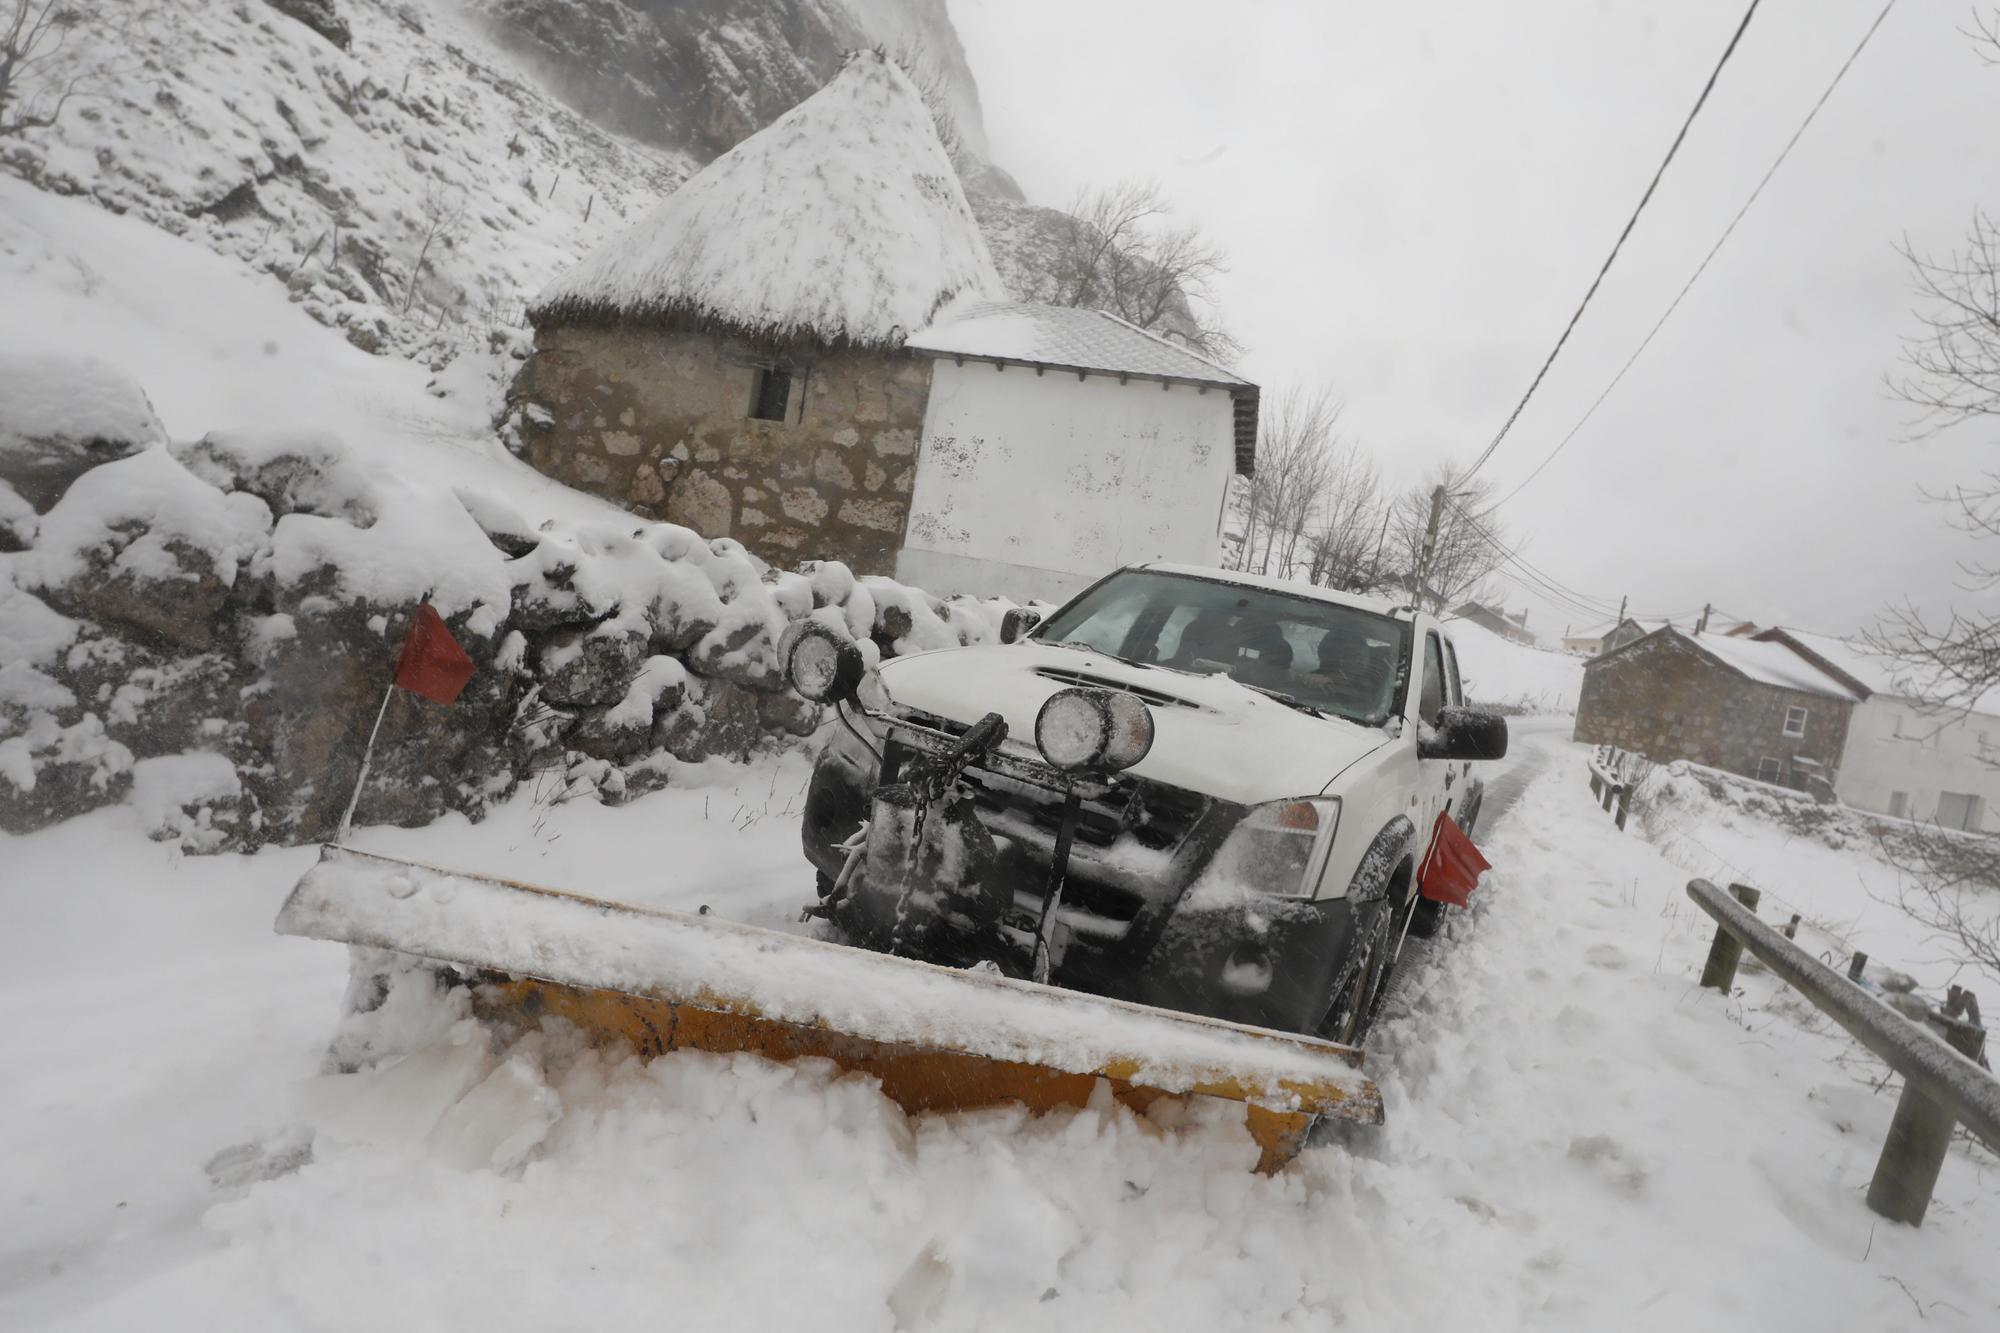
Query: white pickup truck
[{"x": 1191, "y": 788}]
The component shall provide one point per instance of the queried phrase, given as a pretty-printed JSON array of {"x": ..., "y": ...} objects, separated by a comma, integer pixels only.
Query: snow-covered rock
[{"x": 60, "y": 416}]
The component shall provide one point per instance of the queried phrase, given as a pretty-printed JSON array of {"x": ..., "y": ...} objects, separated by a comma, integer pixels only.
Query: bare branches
[
  {"x": 31, "y": 35},
  {"x": 1953, "y": 373},
  {"x": 915, "y": 60},
  {"x": 444, "y": 218},
  {"x": 1117, "y": 249},
  {"x": 1950, "y": 885}
]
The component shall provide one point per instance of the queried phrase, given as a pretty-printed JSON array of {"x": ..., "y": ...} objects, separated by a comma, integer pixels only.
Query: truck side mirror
[
  {"x": 1463, "y": 733},
  {"x": 1017, "y": 622}
]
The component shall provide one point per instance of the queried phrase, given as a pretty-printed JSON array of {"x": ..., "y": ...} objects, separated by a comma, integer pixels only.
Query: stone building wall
[
  {"x": 1666, "y": 699},
  {"x": 658, "y": 420}
]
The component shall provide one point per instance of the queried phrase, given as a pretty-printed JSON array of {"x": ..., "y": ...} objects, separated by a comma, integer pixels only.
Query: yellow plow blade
[{"x": 938, "y": 1039}]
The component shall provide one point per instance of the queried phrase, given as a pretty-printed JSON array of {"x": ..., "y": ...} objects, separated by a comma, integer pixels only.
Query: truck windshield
[{"x": 1337, "y": 659}]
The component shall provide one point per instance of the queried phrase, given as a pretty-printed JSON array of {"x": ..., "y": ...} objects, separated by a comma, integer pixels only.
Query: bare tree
[
  {"x": 1293, "y": 438},
  {"x": 915, "y": 60},
  {"x": 32, "y": 32},
  {"x": 1118, "y": 249},
  {"x": 1946, "y": 885},
  {"x": 1467, "y": 550},
  {"x": 1352, "y": 527},
  {"x": 444, "y": 217}
]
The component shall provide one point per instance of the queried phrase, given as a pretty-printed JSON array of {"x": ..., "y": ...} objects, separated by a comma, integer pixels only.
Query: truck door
[
  {"x": 1435, "y": 777},
  {"x": 1458, "y": 775}
]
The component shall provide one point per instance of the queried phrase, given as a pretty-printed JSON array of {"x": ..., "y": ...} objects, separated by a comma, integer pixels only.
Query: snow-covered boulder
[
  {"x": 61, "y": 416},
  {"x": 143, "y": 543},
  {"x": 293, "y": 472}
]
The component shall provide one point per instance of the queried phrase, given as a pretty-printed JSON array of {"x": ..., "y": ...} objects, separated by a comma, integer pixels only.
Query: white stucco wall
[
  {"x": 1035, "y": 485},
  {"x": 1932, "y": 754}
]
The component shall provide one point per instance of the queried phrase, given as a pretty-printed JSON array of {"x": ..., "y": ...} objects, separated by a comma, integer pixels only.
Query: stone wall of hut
[{"x": 658, "y": 420}]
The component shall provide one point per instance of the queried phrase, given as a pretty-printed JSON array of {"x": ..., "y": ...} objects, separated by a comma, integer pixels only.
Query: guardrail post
[
  {"x": 1624, "y": 804},
  {"x": 1608, "y": 792},
  {"x": 1719, "y": 973},
  {"x": 1856, "y": 965},
  {"x": 1792, "y": 927},
  {"x": 1919, "y": 1137},
  {"x": 1596, "y": 785}
]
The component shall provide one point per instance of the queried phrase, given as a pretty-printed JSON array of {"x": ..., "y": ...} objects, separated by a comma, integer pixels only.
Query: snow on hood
[{"x": 1222, "y": 739}]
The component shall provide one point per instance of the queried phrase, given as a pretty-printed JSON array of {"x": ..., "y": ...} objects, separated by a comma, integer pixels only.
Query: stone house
[
  {"x": 1752, "y": 708},
  {"x": 804, "y": 348},
  {"x": 1513, "y": 628}
]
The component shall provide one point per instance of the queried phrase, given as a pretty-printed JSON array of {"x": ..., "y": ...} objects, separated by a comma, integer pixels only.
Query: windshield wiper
[
  {"x": 1288, "y": 700},
  {"x": 1083, "y": 647}
]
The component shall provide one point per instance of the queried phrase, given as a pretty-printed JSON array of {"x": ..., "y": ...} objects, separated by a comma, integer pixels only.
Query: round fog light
[
  {"x": 1083, "y": 729},
  {"x": 823, "y": 667}
]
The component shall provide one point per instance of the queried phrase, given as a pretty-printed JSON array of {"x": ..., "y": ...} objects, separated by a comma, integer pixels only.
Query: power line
[
  {"x": 1630, "y": 222},
  {"x": 1646, "y": 342}
]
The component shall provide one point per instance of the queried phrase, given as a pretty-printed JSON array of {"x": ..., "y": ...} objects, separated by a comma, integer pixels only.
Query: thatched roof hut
[{"x": 842, "y": 222}]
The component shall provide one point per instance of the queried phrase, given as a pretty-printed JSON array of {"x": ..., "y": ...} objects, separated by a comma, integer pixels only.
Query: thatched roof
[{"x": 842, "y": 221}]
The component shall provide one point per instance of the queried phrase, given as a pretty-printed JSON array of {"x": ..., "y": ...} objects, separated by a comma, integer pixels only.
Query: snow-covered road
[{"x": 1576, "y": 1137}]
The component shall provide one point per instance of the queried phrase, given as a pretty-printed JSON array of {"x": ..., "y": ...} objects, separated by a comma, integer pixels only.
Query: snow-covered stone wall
[
  {"x": 207, "y": 627},
  {"x": 1036, "y": 484}
]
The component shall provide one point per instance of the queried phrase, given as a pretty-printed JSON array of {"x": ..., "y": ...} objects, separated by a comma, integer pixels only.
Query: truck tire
[{"x": 1358, "y": 976}]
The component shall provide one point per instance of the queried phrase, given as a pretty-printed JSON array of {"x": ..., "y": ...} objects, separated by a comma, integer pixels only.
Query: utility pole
[
  {"x": 1706, "y": 608},
  {"x": 1622, "y": 601},
  {"x": 1422, "y": 574}
]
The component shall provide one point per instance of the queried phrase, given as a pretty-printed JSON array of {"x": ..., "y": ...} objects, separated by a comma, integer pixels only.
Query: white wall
[
  {"x": 1933, "y": 754},
  {"x": 1035, "y": 485}
]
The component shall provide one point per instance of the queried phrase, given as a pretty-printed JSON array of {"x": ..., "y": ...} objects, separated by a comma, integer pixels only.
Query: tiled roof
[{"x": 1067, "y": 336}]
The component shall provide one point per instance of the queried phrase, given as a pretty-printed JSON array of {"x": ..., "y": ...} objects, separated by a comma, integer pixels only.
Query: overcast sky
[{"x": 1414, "y": 198}]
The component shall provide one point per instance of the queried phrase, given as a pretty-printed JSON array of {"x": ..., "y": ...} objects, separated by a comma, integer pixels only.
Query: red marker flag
[
  {"x": 432, "y": 664},
  {"x": 1451, "y": 870}
]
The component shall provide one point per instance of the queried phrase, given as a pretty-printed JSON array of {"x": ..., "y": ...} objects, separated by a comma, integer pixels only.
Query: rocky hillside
[{"x": 700, "y": 76}]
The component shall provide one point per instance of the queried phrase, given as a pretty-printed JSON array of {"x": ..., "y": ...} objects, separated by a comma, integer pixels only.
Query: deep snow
[{"x": 1576, "y": 1135}]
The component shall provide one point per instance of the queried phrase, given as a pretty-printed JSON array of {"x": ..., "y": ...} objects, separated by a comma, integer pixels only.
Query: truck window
[
  {"x": 1431, "y": 698},
  {"x": 1451, "y": 673}
]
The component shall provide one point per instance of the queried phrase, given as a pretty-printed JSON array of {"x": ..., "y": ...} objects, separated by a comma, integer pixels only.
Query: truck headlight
[
  {"x": 1280, "y": 848},
  {"x": 1095, "y": 730}
]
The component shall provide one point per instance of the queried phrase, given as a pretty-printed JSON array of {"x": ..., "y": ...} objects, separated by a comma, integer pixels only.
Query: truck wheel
[{"x": 1358, "y": 978}]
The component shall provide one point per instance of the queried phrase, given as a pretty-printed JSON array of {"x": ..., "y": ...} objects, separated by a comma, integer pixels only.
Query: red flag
[
  {"x": 1451, "y": 870},
  {"x": 432, "y": 663}
]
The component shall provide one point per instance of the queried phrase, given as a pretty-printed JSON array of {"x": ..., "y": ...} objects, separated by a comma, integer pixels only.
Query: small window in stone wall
[
  {"x": 1899, "y": 804},
  {"x": 1770, "y": 770},
  {"x": 1795, "y": 721},
  {"x": 773, "y": 395}
]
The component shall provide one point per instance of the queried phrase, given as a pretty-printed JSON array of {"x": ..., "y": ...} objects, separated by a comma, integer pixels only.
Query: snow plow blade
[{"x": 937, "y": 1038}]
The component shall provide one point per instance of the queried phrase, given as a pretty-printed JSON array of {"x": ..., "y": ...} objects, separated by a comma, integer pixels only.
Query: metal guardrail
[
  {"x": 1942, "y": 1084},
  {"x": 1608, "y": 783}
]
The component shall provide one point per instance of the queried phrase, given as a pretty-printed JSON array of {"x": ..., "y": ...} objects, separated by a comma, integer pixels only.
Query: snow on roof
[
  {"x": 842, "y": 220},
  {"x": 1880, "y": 673},
  {"x": 1771, "y": 664},
  {"x": 1071, "y": 337}
]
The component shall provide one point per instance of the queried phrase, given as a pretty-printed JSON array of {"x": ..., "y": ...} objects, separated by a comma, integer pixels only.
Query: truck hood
[{"x": 1211, "y": 736}]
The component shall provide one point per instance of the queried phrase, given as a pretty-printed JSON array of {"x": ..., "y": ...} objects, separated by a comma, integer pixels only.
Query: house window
[
  {"x": 1770, "y": 770},
  {"x": 1899, "y": 805},
  {"x": 1958, "y": 810},
  {"x": 1795, "y": 721},
  {"x": 774, "y": 394}
]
